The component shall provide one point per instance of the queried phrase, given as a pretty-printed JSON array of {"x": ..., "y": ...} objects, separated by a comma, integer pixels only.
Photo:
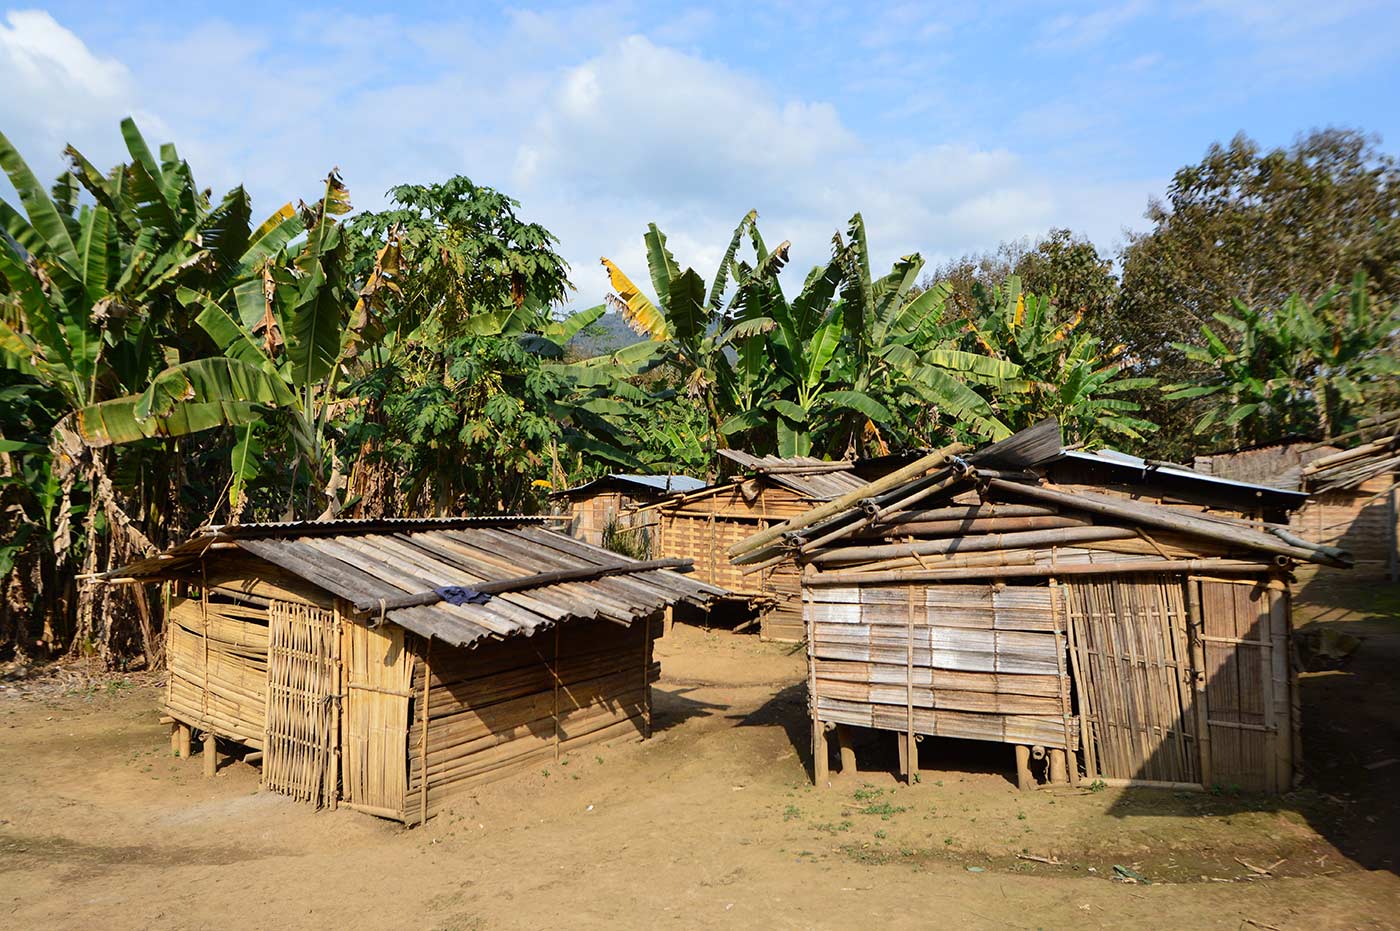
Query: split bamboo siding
[
  {"x": 1112, "y": 631},
  {"x": 501, "y": 709},
  {"x": 702, "y": 528},
  {"x": 217, "y": 661}
]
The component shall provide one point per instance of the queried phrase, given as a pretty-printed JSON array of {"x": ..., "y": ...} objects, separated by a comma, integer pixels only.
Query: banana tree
[
  {"x": 1303, "y": 368},
  {"x": 285, "y": 327},
  {"x": 89, "y": 312},
  {"x": 907, "y": 375},
  {"x": 707, "y": 333},
  {"x": 1064, "y": 373}
]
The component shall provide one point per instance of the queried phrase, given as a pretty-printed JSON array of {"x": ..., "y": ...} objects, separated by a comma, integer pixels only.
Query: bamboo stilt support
[
  {"x": 211, "y": 754},
  {"x": 1024, "y": 780},
  {"x": 848, "y": 749},
  {"x": 183, "y": 744},
  {"x": 1059, "y": 774}
]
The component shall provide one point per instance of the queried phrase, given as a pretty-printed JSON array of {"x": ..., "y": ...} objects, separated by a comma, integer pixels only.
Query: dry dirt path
[{"x": 710, "y": 824}]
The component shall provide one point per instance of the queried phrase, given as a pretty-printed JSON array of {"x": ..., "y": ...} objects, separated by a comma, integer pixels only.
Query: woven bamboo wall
[
  {"x": 1363, "y": 521},
  {"x": 589, "y": 516},
  {"x": 972, "y": 661},
  {"x": 216, "y": 658},
  {"x": 702, "y": 529},
  {"x": 500, "y": 708}
]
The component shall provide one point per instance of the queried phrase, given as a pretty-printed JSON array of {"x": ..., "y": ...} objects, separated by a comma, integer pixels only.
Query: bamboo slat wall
[
  {"x": 1364, "y": 520},
  {"x": 1134, "y": 677},
  {"x": 378, "y": 673},
  {"x": 302, "y": 736},
  {"x": 506, "y": 707},
  {"x": 217, "y": 664},
  {"x": 1249, "y": 684},
  {"x": 589, "y": 516},
  {"x": 973, "y": 661}
]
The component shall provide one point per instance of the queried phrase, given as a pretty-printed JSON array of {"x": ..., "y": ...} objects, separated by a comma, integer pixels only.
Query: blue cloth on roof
[{"x": 461, "y": 595}]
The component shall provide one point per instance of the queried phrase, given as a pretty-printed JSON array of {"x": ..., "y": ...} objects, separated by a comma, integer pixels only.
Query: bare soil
[{"x": 712, "y": 823}]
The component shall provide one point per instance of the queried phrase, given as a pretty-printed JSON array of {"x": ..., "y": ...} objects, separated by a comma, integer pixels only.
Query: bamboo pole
[
  {"x": 1159, "y": 517},
  {"x": 978, "y": 544},
  {"x": 1127, "y": 567},
  {"x": 837, "y": 505},
  {"x": 1198, "y": 660}
]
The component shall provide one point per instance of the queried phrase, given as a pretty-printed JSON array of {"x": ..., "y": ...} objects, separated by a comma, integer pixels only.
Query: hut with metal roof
[
  {"x": 759, "y": 491},
  {"x": 610, "y": 505},
  {"x": 1353, "y": 488},
  {"x": 1112, "y": 616},
  {"x": 392, "y": 665}
]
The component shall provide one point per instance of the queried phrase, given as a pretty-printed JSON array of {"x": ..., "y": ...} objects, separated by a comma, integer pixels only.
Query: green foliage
[
  {"x": 1299, "y": 369},
  {"x": 1256, "y": 226},
  {"x": 1063, "y": 372}
]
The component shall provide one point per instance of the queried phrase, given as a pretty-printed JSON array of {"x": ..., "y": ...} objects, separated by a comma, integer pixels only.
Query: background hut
[
  {"x": 1108, "y": 614},
  {"x": 393, "y": 665},
  {"x": 764, "y": 490},
  {"x": 612, "y": 502}
]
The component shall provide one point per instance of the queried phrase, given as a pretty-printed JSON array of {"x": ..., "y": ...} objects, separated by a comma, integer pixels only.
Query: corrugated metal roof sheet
[
  {"x": 816, "y": 479},
  {"x": 372, "y": 562},
  {"x": 1139, "y": 467},
  {"x": 670, "y": 483}
]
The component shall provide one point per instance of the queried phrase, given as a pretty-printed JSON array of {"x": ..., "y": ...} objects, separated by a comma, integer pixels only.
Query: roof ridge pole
[{"x": 837, "y": 505}]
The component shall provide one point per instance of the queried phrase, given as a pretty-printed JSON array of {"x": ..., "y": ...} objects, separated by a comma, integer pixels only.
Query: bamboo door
[
  {"x": 378, "y": 686},
  {"x": 302, "y": 738},
  {"x": 1249, "y": 715},
  {"x": 1134, "y": 678}
]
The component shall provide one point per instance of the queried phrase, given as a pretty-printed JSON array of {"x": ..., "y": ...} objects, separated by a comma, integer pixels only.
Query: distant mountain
[{"x": 609, "y": 334}]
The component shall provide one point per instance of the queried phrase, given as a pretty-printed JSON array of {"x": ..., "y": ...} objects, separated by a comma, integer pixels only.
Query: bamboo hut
[
  {"x": 1108, "y": 616},
  {"x": 763, "y": 490},
  {"x": 393, "y": 665},
  {"x": 612, "y": 501},
  {"x": 1354, "y": 493}
]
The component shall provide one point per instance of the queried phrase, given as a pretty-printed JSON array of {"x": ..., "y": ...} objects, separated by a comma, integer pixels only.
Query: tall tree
[{"x": 1254, "y": 225}]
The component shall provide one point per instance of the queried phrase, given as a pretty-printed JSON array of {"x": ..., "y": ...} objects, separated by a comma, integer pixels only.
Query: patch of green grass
[
  {"x": 867, "y": 792},
  {"x": 884, "y": 809},
  {"x": 791, "y": 812},
  {"x": 832, "y": 827}
]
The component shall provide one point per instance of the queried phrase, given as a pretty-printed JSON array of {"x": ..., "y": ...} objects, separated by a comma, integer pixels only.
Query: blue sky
[{"x": 951, "y": 126}]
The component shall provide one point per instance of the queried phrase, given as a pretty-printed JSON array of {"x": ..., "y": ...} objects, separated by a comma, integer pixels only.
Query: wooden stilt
[
  {"x": 671, "y": 619},
  {"x": 211, "y": 754},
  {"x": 904, "y": 768},
  {"x": 1024, "y": 781},
  {"x": 174, "y": 738},
  {"x": 1059, "y": 774},
  {"x": 848, "y": 749},
  {"x": 183, "y": 746},
  {"x": 821, "y": 769}
]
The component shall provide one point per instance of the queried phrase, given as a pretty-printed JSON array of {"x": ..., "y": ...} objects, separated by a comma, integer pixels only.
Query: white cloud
[
  {"x": 55, "y": 89},
  {"x": 597, "y": 139}
]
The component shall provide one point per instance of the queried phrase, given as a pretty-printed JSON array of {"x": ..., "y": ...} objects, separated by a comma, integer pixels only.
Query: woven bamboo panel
[
  {"x": 217, "y": 664},
  {"x": 378, "y": 675},
  {"x": 303, "y": 688},
  {"x": 1130, "y": 639}
]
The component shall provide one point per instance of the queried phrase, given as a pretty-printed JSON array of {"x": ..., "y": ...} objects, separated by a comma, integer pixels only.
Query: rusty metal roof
[{"x": 373, "y": 560}]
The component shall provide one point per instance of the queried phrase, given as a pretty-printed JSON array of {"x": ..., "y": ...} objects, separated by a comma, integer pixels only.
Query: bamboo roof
[
  {"x": 814, "y": 479},
  {"x": 383, "y": 562},
  {"x": 1015, "y": 490}
]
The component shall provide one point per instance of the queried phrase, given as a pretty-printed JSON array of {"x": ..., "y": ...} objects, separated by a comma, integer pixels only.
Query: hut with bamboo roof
[
  {"x": 758, "y": 491},
  {"x": 392, "y": 665},
  {"x": 1353, "y": 487},
  {"x": 1115, "y": 618}
]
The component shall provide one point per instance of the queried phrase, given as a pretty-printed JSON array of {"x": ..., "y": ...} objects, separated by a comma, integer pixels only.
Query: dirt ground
[{"x": 713, "y": 823}]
